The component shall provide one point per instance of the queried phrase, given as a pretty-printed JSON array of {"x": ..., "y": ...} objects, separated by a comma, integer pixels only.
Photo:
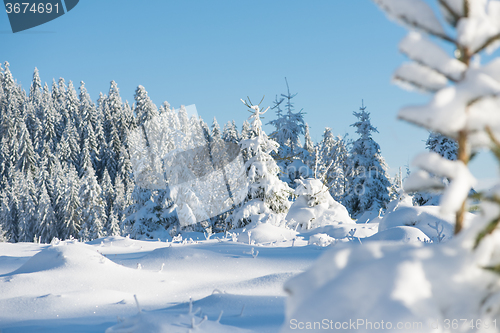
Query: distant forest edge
[{"x": 66, "y": 169}]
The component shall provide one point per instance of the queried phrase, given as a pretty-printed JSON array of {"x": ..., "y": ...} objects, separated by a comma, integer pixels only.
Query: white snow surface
[
  {"x": 83, "y": 287},
  {"x": 385, "y": 269},
  {"x": 382, "y": 282}
]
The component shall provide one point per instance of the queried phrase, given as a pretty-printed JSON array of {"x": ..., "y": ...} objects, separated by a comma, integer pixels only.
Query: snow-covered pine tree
[
  {"x": 112, "y": 224},
  {"x": 267, "y": 194},
  {"x": 68, "y": 202},
  {"x": 35, "y": 100},
  {"x": 125, "y": 173},
  {"x": 27, "y": 157},
  {"x": 396, "y": 185},
  {"x": 307, "y": 154},
  {"x": 230, "y": 133},
  {"x": 71, "y": 136},
  {"x": 120, "y": 202},
  {"x": 289, "y": 125},
  {"x": 184, "y": 124},
  {"x": 25, "y": 206},
  {"x": 333, "y": 164},
  {"x": 46, "y": 171},
  {"x": 5, "y": 216},
  {"x": 107, "y": 192},
  {"x": 45, "y": 216},
  {"x": 49, "y": 121},
  {"x": 215, "y": 133},
  {"x": 144, "y": 107},
  {"x": 128, "y": 123},
  {"x": 171, "y": 117},
  {"x": 93, "y": 207},
  {"x": 447, "y": 148},
  {"x": 443, "y": 145},
  {"x": 10, "y": 215},
  {"x": 87, "y": 111},
  {"x": 367, "y": 181},
  {"x": 72, "y": 105},
  {"x": 246, "y": 131},
  {"x": 59, "y": 98},
  {"x": 109, "y": 196},
  {"x": 11, "y": 118}
]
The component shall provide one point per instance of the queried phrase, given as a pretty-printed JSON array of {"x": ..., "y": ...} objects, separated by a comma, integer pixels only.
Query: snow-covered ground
[
  {"x": 262, "y": 278},
  {"x": 90, "y": 287},
  {"x": 87, "y": 287}
]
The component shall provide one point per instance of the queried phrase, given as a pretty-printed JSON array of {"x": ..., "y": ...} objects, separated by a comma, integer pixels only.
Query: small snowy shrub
[{"x": 315, "y": 206}]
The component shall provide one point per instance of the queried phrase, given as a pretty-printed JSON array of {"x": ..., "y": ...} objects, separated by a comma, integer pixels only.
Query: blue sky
[{"x": 212, "y": 53}]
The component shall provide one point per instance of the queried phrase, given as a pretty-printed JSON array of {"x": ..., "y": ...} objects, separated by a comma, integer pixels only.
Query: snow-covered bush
[
  {"x": 267, "y": 194},
  {"x": 315, "y": 207}
]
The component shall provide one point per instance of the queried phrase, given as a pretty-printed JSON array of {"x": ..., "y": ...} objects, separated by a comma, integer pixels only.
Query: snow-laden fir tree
[
  {"x": 307, "y": 154},
  {"x": 27, "y": 157},
  {"x": 442, "y": 145},
  {"x": 120, "y": 202},
  {"x": 107, "y": 191},
  {"x": 93, "y": 206},
  {"x": 267, "y": 194},
  {"x": 367, "y": 181},
  {"x": 246, "y": 130},
  {"x": 215, "y": 132},
  {"x": 447, "y": 148},
  {"x": 230, "y": 133},
  {"x": 5, "y": 215},
  {"x": 72, "y": 105},
  {"x": 332, "y": 164},
  {"x": 289, "y": 125},
  {"x": 35, "y": 99},
  {"x": 25, "y": 206},
  {"x": 68, "y": 202},
  {"x": 46, "y": 225},
  {"x": 145, "y": 109}
]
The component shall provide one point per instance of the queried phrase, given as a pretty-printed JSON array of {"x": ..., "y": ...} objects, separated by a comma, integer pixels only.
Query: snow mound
[
  {"x": 397, "y": 283},
  {"x": 315, "y": 207},
  {"x": 65, "y": 255},
  {"x": 399, "y": 234},
  {"x": 262, "y": 233},
  {"x": 426, "y": 218},
  {"x": 321, "y": 240}
]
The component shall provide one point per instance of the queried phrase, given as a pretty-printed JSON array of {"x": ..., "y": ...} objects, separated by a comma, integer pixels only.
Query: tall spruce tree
[
  {"x": 333, "y": 164},
  {"x": 230, "y": 133},
  {"x": 289, "y": 125},
  {"x": 144, "y": 108},
  {"x": 367, "y": 181},
  {"x": 93, "y": 207}
]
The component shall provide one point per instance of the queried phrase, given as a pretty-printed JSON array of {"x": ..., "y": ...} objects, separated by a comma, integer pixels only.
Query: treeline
[{"x": 66, "y": 170}]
